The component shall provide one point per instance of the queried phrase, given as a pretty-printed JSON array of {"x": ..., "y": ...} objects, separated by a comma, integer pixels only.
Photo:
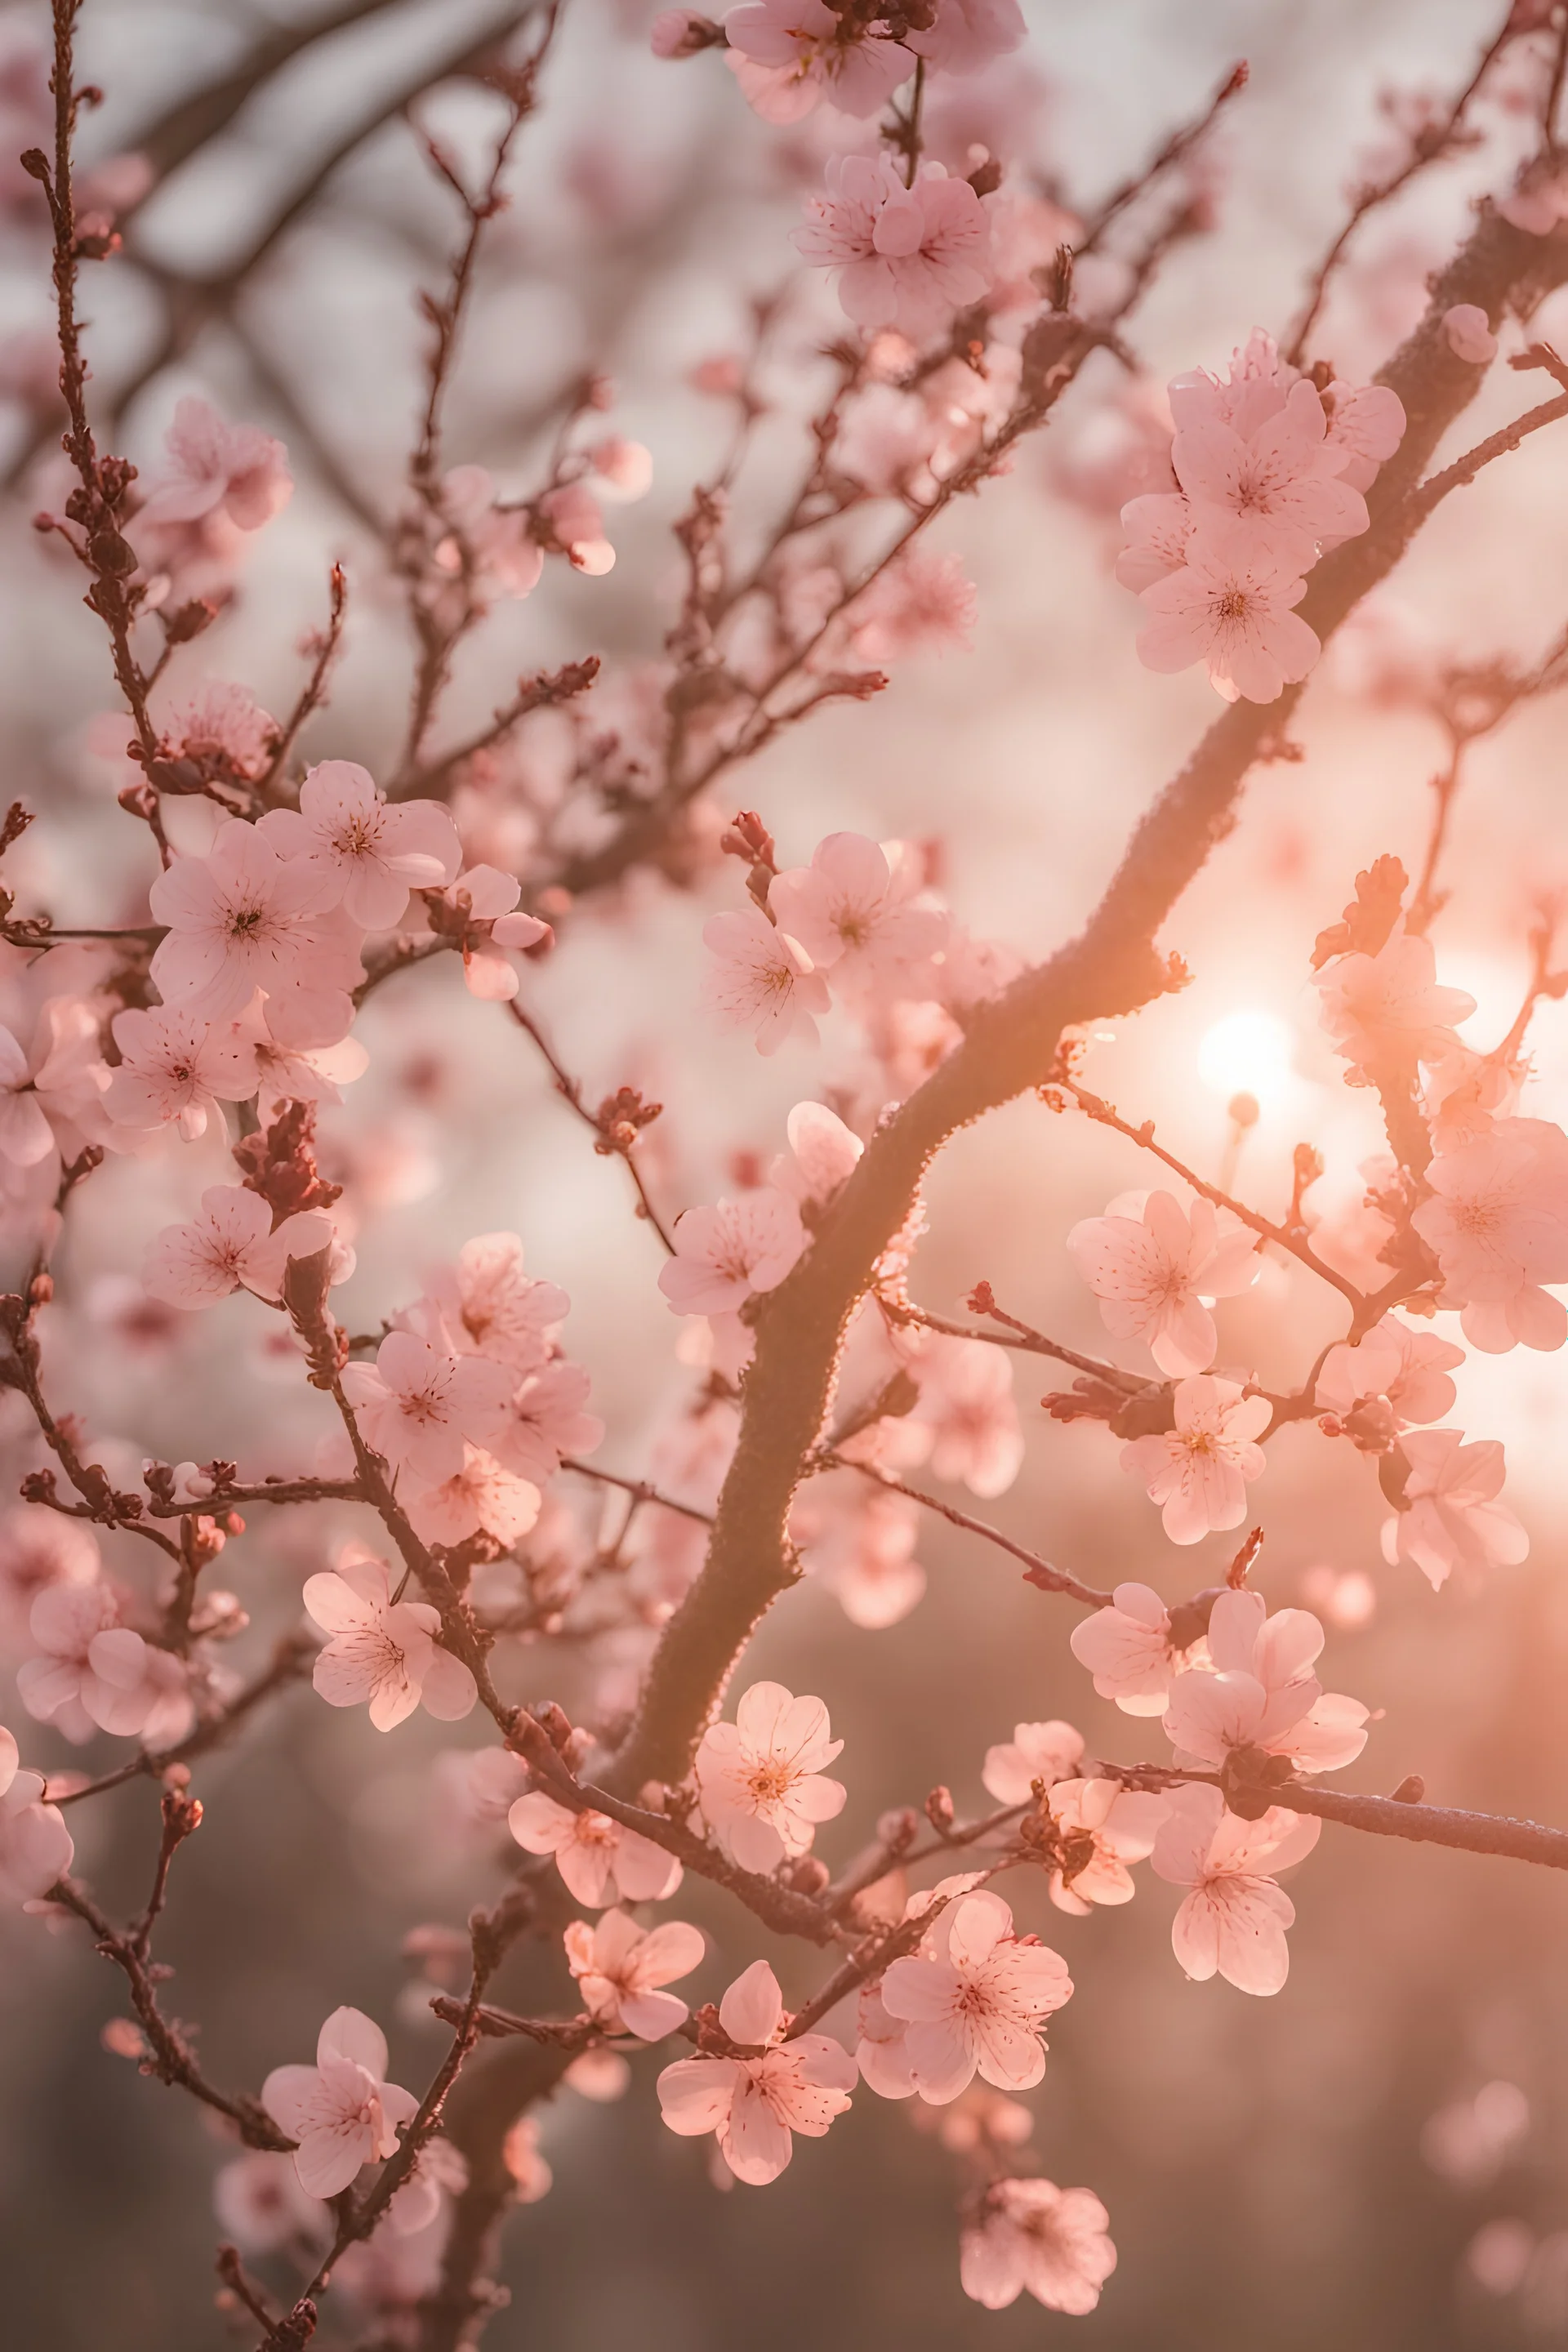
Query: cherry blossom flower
[
  {"x": 1101, "y": 1828},
  {"x": 36, "y": 1846},
  {"x": 286, "y": 1072},
  {"x": 242, "y": 919},
  {"x": 760, "y": 1779},
  {"x": 415, "y": 1404},
  {"x": 863, "y": 1551},
  {"x": 261, "y": 2206},
  {"x": 487, "y": 899},
  {"x": 1366, "y": 426},
  {"x": 490, "y": 1307},
  {"x": 788, "y": 53},
  {"x": 1159, "y": 528},
  {"x": 1407, "y": 1371},
  {"x": 1233, "y": 1919},
  {"x": 1388, "y": 1007},
  {"x": 762, "y": 980},
  {"x": 39, "y": 1548},
  {"x": 1468, "y": 333},
  {"x": 907, "y": 256},
  {"x": 822, "y": 1157},
  {"x": 371, "y": 850},
  {"x": 544, "y": 1421},
  {"x": 1199, "y": 1470},
  {"x": 881, "y": 2053},
  {"x": 1498, "y": 1222},
  {"x": 1129, "y": 1650},
  {"x": 1030, "y": 2235},
  {"x": 620, "y": 1968},
  {"x": 1277, "y": 486},
  {"x": 50, "y": 1090},
  {"x": 966, "y": 35},
  {"x": 1230, "y": 607},
  {"x": 382, "y": 1652},
  {"x": 854, "y": 910},
  {"x": 924, "y": 603},
  {"x": 966, "y": 1402},
  {"x": 26, "y": 1135},
  {"x": 600, "y": 1862},
  {"x": 726, "y": 1254},
  {"x": 1036, "y": 1751},
  {"x": 1450, "y": 1517},
  {"x": 1156, "y": 1266},
  {"x": 482, "y": 1497},
  {"x": 342, "y": 2110},
  {"x": 213, "y": 468},
  {"x": 232, "y": 1245},
  {"x": 755, "y": 2104},
  {"x": 175, "y": 1068},
  {"x": 223, "y": 724},
  {"x": 1262, "y": 1693},
  {"x": 569, "y": 516},
  {"x": 92, "y": 1672},
  {"x": 973, "y": 1997}
]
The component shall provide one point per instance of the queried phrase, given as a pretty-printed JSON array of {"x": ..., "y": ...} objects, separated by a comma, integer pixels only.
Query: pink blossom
[
  {"x": 231, "y": 1245},
  {"x": 907, "y": 257},
  {"x": 966, "y": 1402},
  {"x": 26, "y": 1135},
  {"x": 175, "y": 1068},
  {"x": 490, "y": 1307},
  {"x": 213, "y": 468},
  {"x": 760, "y": 1779},
  {"x": 489, "y": 897},
  {"x": 1540, "y": 204},
  {"x": 762, "y": 980},
  {"x": 286, "y": 1073},
  {"x": 1469, "y": 334},
  {"x": 1252, "y": 392},
  {"x": 1159, "y": 528},
  {"x": 1406, "y": 1369},
  {"x": 416, "y": 1404},
  {"x": 969, "y": 33},
  {"x": 881, "y": 2053},
  {"x": 975, "y": 1997},
  {"x": 51, "y": 1090},
  {"x": 39, "y": 1548},
  {"x": 1229, "y": 607},
  {"x": 600, "y": 1862},
  {"x": 261, "y": 2207},
  {"x": 342, "y": 2110},
  {"x": 372, "y": 851},
  {"x": 1154, "y": 1268},
  {"x": 1101, "y": 1828},
  {"x": 1030, "y": 2235},
  {"x": 92, "y": 1671},
  {"x": 1199, "y": 1470},
  {"x": 1129, "y": 1650},
  {"x": 1047, "y": 1752},
  {"x": 1388, "y": 1007},
  {"x": 854, "y": 911},
  {"x": 620, "y": 1966},
  {"x": 1366, "y": 426},
  {"x": 242, "y": 919},
  {"x": 1498, "y": 1222},
  {"x": 1276, "y": 486},
  {"x": 864, "y": 1553},
  {"x": 1450, "y": 1517},
  {"x": 482, "y": 1497},
  {"x": 822, "y": 1157},
  {"x": 788, "y": 53},
  {"x": 36, "y": 1846},
  {"x": 726, "y": 1254},
  {"x": 755, "y": 2105},
  {"x": 1262, "y": 1693},
  {"x": 570, "y": 515},
  {"x": 224, "y": 725},
  {"x": 923, "y": 604},
  {"x": 1233, "y": 1919},
  {"x": 503, "y": 553},
  {"x": 544, "y": 1420},
  {"x": 382, "y": 1652}
]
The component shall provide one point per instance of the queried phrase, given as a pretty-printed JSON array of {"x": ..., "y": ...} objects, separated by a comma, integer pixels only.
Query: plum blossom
[
  {"x": 39, "y": 1548},
  {"x": 380, "y": 1651},
  {"x": 755, "y": 2104},
  {"x": 1037, "y": 1751},
  {"x": 822, "y": 1157},
  {"x": 490, "y": 1307},
  {"x": 92, "y": 1670},
  {"x": 415, "y": 1404},
  {"x": 1199, "y": 1470},
  {"x": 243, "y": 918},
  {"x": 222, "y": 726},
  {"x": 1233, "y": 1919},
  {"x": 1405, "y": 1371},
  {"x": 600, "y": 1862},
  {"x": 966, "y": 1402},
  {"x": 1449, "y": 1516},
  {"x": 907, "y": 257},
  {"x": 1101, "y": 1828},
  {"x": 762, "y": 980},
  {"x": 342, "y": 2110},
  {"x": 1229, "y": 607},
  {"x": 726, "y": 1254},
  {"x": 1498, "y": 1222},
  {"x": 176, "y": 1067},
  {"x": 485, "y": 899},
  {"x": 1262, "y": 1693},
  {"x": 855, "y": 911},
  {"x": 788, "y": 53},
  {"x": 621, "y": 1968},
  {"x": 543, "y": 1422},
  {"x": 760, "y": 1779},
  {"x": 482, "y": 1497},
  {"x": 1366, "y": 426},
  {"x": 1131, "y": 1650},
  {"x": 213, "y": 468},
  {"x": 286, "y": 1073},
  {"x": 1388, "y": 1007},
  {"x": 973, "y": 1997},
  {"x": 50, "y": 1088},
  {"x": 863, "y": 1551},
  {"x": 1159, "y": 528},
  {"x": 1028, "y": 2235},
  {"x": 260, "y": 2205},
  {"x": 26, "y": 1135},
  {"x": 372, "y": 851},
  {"x": 1278, "y": 486},
  {"x": 924, "y": 603},
  {"x": 965, "y": 35},
  {"x": 1156, "y": 1266},
  {"x": 1468, "y": 333},
  {"x": 36, "y": 1846},
  {"x": 232, "y": 1245}
]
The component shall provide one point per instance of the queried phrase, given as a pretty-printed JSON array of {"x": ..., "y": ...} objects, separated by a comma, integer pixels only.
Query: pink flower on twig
[
  {"x": 755, "y": 2104},
  {"x": 342, "y": 2110}
]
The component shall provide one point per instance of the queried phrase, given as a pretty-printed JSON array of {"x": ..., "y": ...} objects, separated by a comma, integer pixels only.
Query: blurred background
[{"x": 1338, "y": 2163}]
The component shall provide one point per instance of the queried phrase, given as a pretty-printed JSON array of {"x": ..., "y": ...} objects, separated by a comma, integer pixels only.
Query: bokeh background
[{"x": 1269, "y": 2165}]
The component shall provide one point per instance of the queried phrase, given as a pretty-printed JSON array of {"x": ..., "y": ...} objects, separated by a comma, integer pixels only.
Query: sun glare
[{"x": 1247, "y": 1053}]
